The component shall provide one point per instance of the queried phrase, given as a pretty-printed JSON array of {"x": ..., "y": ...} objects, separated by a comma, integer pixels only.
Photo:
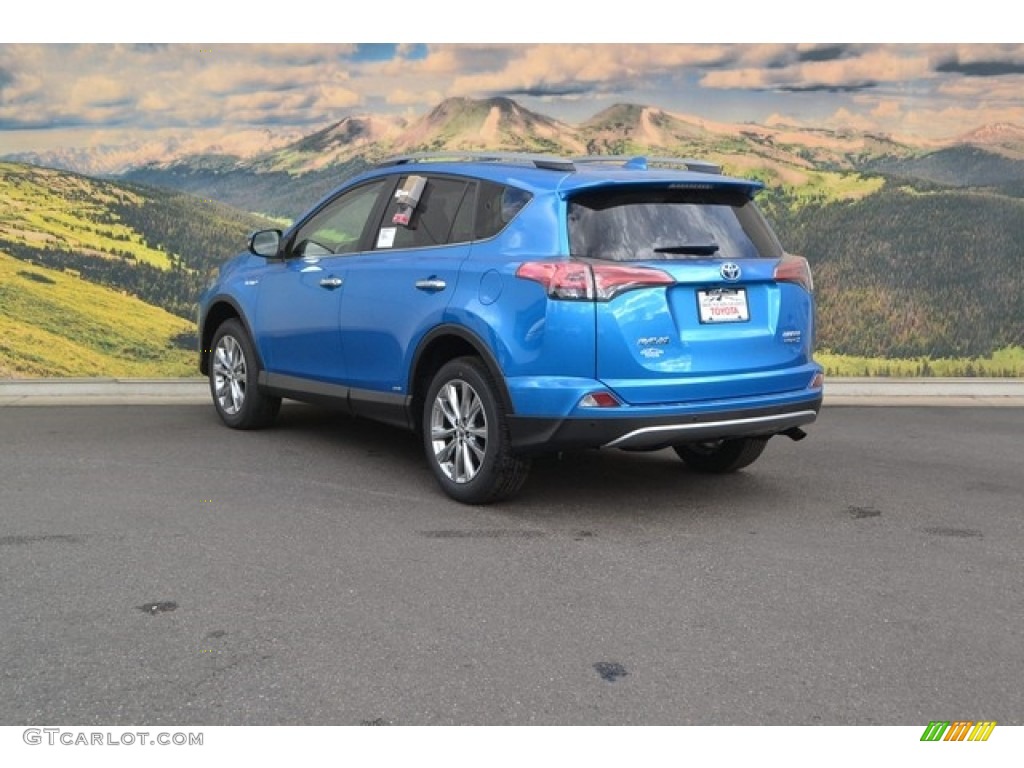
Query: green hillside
[
  {"x": 100, "y": 278},
  {"x": 56, "y": 324},
  {"x": 158, "y": 245},
  {"x": 56, "y": 210},
  {"x": 961, "y": 166},
  {"x": 274, "y": 193}
]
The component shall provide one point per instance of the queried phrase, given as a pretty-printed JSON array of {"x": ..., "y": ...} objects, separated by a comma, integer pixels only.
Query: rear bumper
[{"x": 541, "y": 435}]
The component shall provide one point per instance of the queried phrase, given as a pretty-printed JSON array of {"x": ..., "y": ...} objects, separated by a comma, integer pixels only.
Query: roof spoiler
[{"x": 643, "y": 163}]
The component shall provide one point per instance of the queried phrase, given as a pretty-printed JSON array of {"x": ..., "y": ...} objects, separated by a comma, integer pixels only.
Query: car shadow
[{"x": 611, "y": 480}]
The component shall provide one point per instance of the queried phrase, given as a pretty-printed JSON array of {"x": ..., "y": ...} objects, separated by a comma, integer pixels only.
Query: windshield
[{"x": 668, "y": 224}]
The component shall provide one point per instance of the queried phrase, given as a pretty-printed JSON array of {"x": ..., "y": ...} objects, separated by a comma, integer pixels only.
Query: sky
[{"x": 243, "y": 97}]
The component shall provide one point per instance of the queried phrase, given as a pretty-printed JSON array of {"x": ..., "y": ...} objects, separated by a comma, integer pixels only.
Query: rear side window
[
  {"x": 436, "y": 220},
  {"x": 668, "y": 224},
  {"x": 496, "y": 206}
]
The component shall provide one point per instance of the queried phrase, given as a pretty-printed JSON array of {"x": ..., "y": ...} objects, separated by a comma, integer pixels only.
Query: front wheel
[
  {"x": 233, "y": 376},
  {"x": 466, "y": 437},
  {"x": 721, "y": 456}
]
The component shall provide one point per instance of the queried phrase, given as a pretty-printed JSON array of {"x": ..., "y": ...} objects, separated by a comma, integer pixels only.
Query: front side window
[
  {"x": 668, "y": 224},
  {"x": 339, "y": 227}
]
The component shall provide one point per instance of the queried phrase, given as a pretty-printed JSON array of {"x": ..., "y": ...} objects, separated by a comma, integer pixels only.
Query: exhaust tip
[{"x": 795, "y": 433}]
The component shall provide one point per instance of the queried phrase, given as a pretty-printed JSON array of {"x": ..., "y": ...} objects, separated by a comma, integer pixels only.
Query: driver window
[{"x": 339, "y": 227}]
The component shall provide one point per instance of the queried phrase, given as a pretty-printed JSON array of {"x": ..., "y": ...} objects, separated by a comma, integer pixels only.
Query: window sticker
[{"x": 386, "y": 237}]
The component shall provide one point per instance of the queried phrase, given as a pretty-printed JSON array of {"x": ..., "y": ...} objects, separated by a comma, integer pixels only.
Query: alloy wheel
[
  {"x": 458, "y": 431},
  {"x": 229, "y": 375}
]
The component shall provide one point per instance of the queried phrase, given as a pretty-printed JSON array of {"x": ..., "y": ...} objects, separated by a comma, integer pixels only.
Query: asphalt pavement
[
  {"x": 193, "y": 390},
  {"x": 158, "y": 568}
]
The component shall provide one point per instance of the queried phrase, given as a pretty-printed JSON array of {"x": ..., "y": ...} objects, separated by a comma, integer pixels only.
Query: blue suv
[{"x": 505, "y": 305}]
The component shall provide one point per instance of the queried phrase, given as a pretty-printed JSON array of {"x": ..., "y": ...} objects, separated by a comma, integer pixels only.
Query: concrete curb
[
  {"x": 195, "y": 391},
  {"x": 104, "y": 391},
  {"x": 915, "y": 392}
]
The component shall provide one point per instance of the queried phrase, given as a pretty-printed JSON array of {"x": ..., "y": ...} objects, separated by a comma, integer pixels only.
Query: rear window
[{"x": 668, "y": 224}]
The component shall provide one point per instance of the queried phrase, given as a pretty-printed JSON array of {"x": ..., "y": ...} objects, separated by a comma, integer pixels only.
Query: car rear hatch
[{"x": 702, "y": 301}]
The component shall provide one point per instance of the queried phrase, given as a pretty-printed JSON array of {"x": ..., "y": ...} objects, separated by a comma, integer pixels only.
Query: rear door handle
[
  {"x": 431, "y": 284},
  {"x": 331, "y": 283}
]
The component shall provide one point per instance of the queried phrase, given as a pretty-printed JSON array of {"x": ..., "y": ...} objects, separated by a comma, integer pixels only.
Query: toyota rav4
[{"x": 503, "y": 306}]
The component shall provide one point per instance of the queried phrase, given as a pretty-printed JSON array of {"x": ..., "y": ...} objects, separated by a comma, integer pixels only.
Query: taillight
[
  {"x": 561, "y": 279},
  {"x": 576, "y": 281},
  {"x": 794, "y": 269},
  {"x": 612, "y": 279}
]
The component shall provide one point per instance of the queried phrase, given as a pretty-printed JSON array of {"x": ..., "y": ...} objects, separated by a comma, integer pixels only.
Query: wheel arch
[
  {"x": 222, "y": 308},
  {"x": 442, "y": 344}
]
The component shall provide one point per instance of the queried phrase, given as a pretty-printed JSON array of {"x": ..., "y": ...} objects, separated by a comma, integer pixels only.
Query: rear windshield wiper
[{"x": 695, "y": 249}]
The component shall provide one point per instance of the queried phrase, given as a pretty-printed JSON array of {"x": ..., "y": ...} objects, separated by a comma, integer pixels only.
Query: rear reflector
[
  {"x": 576, "y": 281},
  {"x": 599, "y": 400}
]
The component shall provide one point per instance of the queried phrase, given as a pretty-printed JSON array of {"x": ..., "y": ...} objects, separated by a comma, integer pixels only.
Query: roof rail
[
  {"x": 549, "y": 162},
  {"x": 642, "y": 163}
]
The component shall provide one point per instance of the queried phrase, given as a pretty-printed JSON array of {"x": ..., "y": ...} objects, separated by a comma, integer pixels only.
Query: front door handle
[
  {"x": 431, "y": 284},
  {"x": 330, "y": 283}
]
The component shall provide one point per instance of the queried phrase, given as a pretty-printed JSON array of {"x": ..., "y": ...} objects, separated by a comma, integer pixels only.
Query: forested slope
[{"x": 905, "y": 273}]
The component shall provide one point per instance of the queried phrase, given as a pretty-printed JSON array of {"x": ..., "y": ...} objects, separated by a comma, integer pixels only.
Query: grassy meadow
[{"x": 57, "y": 324}]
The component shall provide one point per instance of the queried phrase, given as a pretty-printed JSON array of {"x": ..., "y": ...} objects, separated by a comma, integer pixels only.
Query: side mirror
[{"x": 265, "y": 243}]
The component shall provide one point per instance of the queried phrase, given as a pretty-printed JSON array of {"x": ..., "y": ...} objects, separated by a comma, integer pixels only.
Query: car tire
[
  {"x": 234, "y": 373},
  {"x": 721, "y": 456},
  {"x": 466, "y": 435}
]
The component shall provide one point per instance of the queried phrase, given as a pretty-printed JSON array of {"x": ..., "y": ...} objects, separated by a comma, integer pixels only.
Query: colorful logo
[{"x": 958, "y": 730}]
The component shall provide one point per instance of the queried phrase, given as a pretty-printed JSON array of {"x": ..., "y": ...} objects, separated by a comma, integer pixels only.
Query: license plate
[{"x": 723, "y": 305}]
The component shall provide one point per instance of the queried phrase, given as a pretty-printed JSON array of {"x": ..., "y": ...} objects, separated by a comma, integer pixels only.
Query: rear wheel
[
  {"x": 233, "y": 376},
  {"x": 465, "y": 435},
  {"x": 721, "y": 456}
]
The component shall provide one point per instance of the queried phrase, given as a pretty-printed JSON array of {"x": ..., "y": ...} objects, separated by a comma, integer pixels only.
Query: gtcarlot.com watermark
[{"x": 69, "y": 738}]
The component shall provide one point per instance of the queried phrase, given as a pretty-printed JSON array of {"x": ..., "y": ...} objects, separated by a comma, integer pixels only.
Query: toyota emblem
[{"x": 730, "y": 271}]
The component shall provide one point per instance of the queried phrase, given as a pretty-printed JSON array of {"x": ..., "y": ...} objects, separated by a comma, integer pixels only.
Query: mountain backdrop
[{"x": 916, "y": 246}]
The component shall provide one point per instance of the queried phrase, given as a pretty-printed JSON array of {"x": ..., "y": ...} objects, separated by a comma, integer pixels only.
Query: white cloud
[
  {"x": 956, "y": 120},
  {"x": 404, "y": 97},
  {"x": 237, "y": 88},
  {"x": 844, "y": 119},
  {"x": 93, "y": 90},
  {"x": 175, "y": 85},
  {"x": 865, "y": 68},
  {"x": 331, "y": 97},
  {"x": 887, "y": 109},
  {"x": 602, "y": 67},
  {"x": 1007, "y": 90}
]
